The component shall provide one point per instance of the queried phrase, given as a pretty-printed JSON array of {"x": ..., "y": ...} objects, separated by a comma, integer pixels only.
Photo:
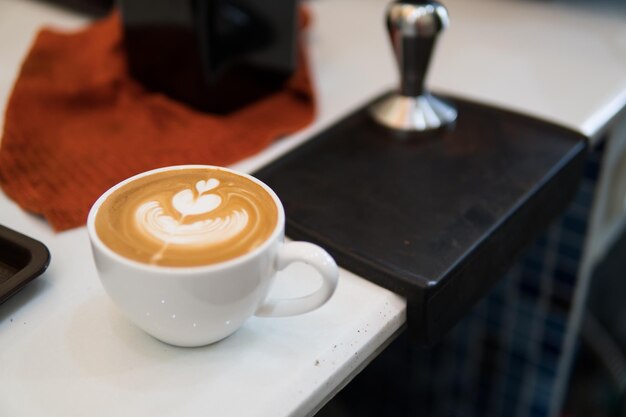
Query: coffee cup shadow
[{"x": 104, "y": 343}]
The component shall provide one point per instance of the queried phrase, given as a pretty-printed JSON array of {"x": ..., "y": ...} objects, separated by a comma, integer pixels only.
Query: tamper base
[{"x": 422, "y": 113}]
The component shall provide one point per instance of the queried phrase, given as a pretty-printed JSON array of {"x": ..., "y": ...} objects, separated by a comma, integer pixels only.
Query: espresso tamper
[{"x": 413, "y": 26}]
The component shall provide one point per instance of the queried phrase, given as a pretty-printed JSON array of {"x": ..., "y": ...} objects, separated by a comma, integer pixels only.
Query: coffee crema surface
[{"x": 187, "y": 217}]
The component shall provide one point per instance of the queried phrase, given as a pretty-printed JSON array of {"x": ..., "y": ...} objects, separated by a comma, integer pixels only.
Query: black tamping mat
[{"x": 437, "y": 219}]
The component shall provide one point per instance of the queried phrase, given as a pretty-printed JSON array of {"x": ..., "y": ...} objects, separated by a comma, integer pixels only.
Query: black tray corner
[{"x": 22, "y": 259}]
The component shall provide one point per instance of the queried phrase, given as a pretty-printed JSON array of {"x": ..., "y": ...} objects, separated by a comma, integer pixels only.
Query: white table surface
[{"x": 66, "y": 351}]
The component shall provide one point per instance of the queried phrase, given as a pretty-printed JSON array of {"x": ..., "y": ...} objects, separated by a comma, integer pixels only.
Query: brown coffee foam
[{"x": 116, "y": 226}]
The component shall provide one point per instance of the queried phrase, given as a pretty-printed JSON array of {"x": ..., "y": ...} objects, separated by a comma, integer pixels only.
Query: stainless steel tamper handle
[{"x": 413, "y": 27}]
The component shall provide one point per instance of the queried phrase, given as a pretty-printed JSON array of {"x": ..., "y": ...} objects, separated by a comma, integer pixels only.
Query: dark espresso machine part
[
  {"x": 96, "y": 8},
  {"x": 413, "y": 27},
  {"x": 215, "y": 55}
]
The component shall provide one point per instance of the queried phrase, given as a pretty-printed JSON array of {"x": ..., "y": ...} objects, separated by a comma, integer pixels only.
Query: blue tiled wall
[{"x": 502, "y": 360}]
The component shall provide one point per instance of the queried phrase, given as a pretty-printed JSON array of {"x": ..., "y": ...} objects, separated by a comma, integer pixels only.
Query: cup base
[{"x": 190, "y": 343}]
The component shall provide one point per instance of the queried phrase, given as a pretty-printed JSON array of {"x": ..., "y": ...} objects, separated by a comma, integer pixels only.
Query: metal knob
[{"x": 413, "y": 27}]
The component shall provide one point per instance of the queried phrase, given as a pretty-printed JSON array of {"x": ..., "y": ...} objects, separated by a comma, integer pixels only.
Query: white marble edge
[{"x": 563, "y": 61}]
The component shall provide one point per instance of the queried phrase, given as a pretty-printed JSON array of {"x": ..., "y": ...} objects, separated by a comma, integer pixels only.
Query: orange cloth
[{"x": 77, "y": 123}]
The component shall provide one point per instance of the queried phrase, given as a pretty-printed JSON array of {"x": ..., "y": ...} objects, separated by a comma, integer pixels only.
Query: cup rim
[{"x": 95, "y": 239}]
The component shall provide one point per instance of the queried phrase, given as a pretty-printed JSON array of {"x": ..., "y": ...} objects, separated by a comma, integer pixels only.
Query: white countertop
[
  {"x": 561, "y": 60},
  {"x": 66, "y": 351}
]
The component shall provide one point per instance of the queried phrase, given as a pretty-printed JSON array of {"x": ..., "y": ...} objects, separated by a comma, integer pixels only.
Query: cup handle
[{"x": 311, "y": 255}]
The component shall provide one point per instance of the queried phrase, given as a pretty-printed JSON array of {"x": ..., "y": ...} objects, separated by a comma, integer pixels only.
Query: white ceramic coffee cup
[{"x": 199, "y": 305}]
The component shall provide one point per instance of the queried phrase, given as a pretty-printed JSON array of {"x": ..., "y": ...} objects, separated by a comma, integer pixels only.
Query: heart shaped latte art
[
  {"x": 155, "y": 221},
  {"x": 186, "y": 203},
  {"x": 187, "y": 217},
  {"x": 203, "y": 186}
]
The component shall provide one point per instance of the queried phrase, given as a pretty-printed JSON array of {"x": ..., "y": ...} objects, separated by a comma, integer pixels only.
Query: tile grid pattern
[{"x": 502, "y": 360}]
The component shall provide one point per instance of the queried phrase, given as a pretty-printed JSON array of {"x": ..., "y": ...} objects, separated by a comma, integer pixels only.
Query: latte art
[
  {"x": 187, "y": 217},
  {"x": 151, "y": 218},
  {"x": 171, "y": 229}
]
